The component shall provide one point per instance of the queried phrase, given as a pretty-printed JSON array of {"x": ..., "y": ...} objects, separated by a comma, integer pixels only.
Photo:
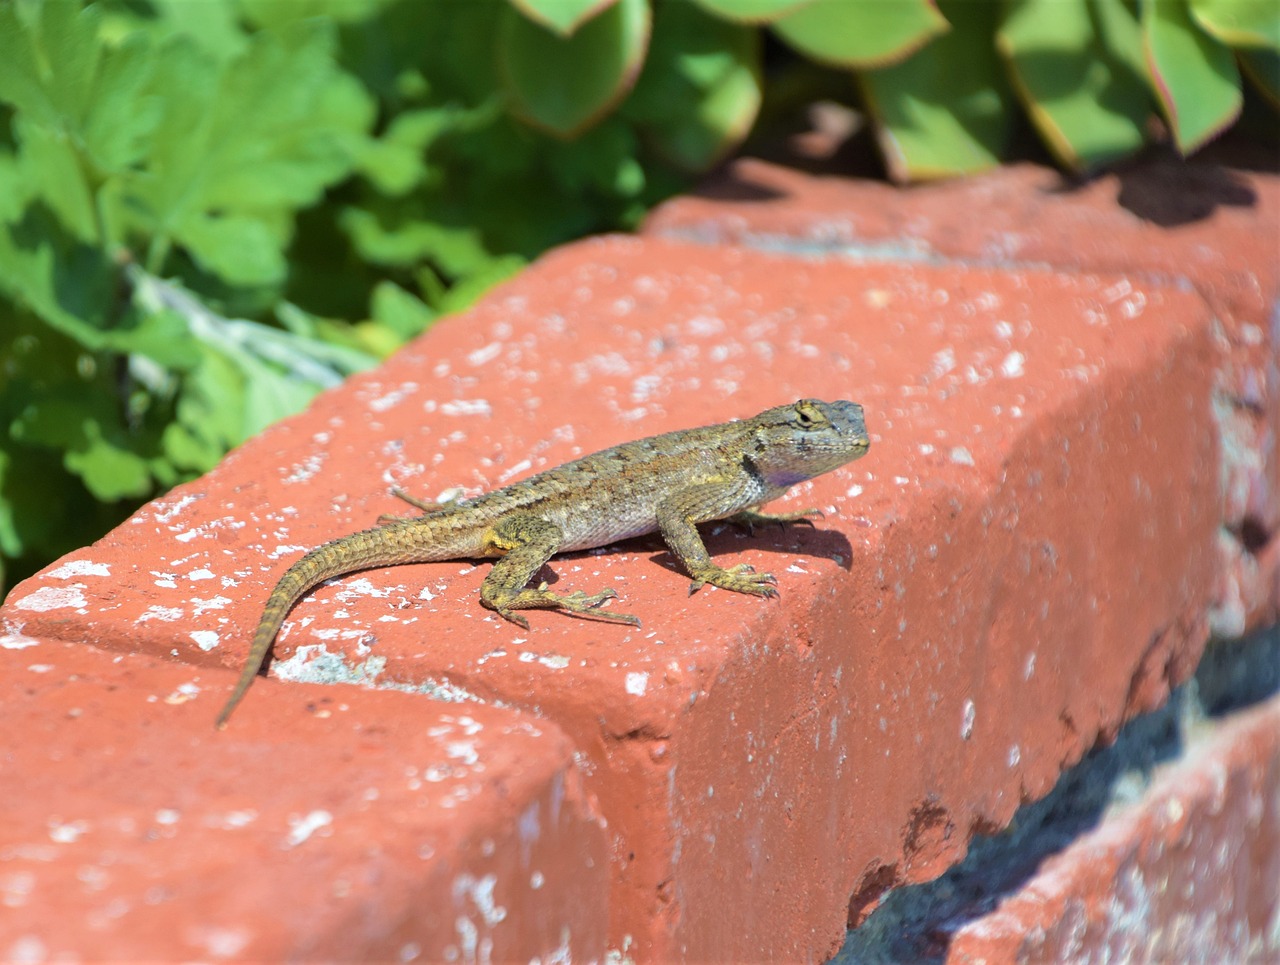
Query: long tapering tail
[{"x": 358, "y": 551}]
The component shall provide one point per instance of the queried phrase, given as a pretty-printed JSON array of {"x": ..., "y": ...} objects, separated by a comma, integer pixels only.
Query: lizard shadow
[
  {"x": 792, "y": 540},
  {"x": 722, "y": 539}
]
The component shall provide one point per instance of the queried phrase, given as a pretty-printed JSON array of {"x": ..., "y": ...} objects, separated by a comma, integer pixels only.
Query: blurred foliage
[{"x": 210, "y": 211}]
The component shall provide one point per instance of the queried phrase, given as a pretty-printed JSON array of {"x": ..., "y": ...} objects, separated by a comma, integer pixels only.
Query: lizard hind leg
[
  {"x": 427, "y": 506},
  {"x": 525, "y": 543}
]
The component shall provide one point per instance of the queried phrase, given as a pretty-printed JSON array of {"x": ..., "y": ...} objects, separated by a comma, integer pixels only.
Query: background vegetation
[{"x": 212, "y": 209}]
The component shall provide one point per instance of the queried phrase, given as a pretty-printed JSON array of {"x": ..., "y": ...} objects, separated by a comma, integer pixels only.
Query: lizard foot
[
  {"x": 543, "y": 599},
  {"x": 741, "y": 579},
  {"x": 427, "y": 507}
]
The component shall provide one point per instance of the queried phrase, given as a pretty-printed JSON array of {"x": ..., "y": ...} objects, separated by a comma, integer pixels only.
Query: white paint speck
[
  {"x": 200, "y": 574},
  {"x": 165, "y": 614},
  {"x": 524, "y": 465},
  {"x": 967, "y": 717},
  {"x": 462, "y": 751},
  {"x": 961, "y": 456},
  {"x": 302, "y": 828},
  {"x": 68, "y": 832},
  {"x": 637, "y": 683},
  {"x": 224, "y": 943},
  {"x": 467, "y": 407},
  {"x": 206, "y": 640},
  {"x": 214, "y": 603},
  {"x": 1013, "y": 366},
  {"x": 484, "y": 355},
  {"x": 480, "y": 891},
  {"x": 80, "y": 568},
  {"x": 853, "y": 491},
  {"x": 16, "y": 641},
  {"x": 53, "y": 598}
]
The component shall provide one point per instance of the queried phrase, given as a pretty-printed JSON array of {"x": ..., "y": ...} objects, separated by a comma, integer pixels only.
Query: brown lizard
[{"x": 667, "y": 483}]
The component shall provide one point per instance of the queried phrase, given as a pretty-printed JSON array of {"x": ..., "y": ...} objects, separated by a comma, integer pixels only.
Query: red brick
[
  {"x": 1189, "y": 874},
  {"x": 1024, "y": 560},
  {"x": 319, "y": 828},
  {"x": 1212, "y": 223}
]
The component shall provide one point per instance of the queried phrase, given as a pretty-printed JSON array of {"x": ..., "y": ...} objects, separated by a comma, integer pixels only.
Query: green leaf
[
  {"x": 946, "y": 111},
  {"x": 403, "y": 234},
  {"x": 162, "y": 336},
  {"x": 861, "y": 33},
  {"x": 468, "y": 290},
  {"x": 240, "y": 248},
  {"x": 110, "y": 471},
  {"x": 240, "y": 145},
  {"x": 124, "y": 110},
  {"x": 564, "y": 85},
  {"x": 700, "y": 89},
  {"x": 1076, "y": 66},
  {"x": 210, "y": 413},
  {"x": 1195, "y": 76},
  {"x": 403, "y": 313},
  {"x": 93, "y": 448},
  {"x": 751, "y": 11},
  {"x": 52, "y": 168},
  {"x": 68, "y": 283},
  {"x": 561, "y": 16},
  {"x": 47, "y": 65},
  {"x": 60, "y": 77},
  {"x": 1254, "y": 24}
]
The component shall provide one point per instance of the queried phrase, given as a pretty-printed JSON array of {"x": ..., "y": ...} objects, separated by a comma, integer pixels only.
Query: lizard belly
[{"x": 584, "y": 531}]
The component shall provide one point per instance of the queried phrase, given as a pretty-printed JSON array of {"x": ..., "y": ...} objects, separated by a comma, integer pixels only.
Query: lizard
[{"x": 666, "y": 483}]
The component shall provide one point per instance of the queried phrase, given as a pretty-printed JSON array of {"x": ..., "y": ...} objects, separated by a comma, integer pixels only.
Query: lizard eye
[{"x": 808, "y": 415}]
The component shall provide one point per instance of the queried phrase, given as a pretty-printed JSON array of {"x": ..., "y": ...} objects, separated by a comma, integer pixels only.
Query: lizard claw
[
  {"x": 514, "y": 617},
  {"x": 741, "y": 579}
]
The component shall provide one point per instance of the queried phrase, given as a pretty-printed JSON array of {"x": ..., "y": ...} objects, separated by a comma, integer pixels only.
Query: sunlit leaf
[
  {"x": 861, "y": 33},
  {"x": 945, "y": 111},
  {"x": 565, "y": 84},
  {"x": 1076, "y": 65},
  {"x": 1240, "y": 23},
  {"x": 1195, "y": 76},
  {"x": 701, "y": 86},
  {"x": 561, "y": 16},
  {"x": 752, "y": 11}
]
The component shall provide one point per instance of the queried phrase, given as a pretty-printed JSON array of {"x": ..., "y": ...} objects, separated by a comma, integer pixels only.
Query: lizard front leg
[
  {"x": 678, "y": 516},
  {"x": 525, "y": 543}
]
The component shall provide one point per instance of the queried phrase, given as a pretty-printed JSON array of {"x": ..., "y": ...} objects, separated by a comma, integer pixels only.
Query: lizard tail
[{"x": 349, "y": 554}]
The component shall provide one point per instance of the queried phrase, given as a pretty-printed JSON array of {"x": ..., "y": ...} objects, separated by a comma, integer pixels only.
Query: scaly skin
[{"x": 668, "y": 484}]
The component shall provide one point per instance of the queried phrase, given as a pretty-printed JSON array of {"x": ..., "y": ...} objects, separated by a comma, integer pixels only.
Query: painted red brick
[
  {"x": 1025, "y": 559},
  {"x": 1211, "y": 223},
  {"x": 1190, "y": 874},
  {"x": 383, "y": 828}
]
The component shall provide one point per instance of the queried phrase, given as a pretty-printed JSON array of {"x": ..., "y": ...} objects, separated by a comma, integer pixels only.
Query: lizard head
[{"x": 797, "y": 442}]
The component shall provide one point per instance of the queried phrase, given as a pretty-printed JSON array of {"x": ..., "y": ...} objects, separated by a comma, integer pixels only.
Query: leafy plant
[
  {"x": 942, "y": 80},
  {"x": 210, "y": 211}
]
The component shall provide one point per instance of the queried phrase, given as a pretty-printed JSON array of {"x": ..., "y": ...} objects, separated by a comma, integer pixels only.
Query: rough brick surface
[
  {"x": 392, "y": 830},
  {"x": 1190, "y": 874},
  {"x": 1026, "y": 558},
  {"x": 1210, "y": 223}
]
